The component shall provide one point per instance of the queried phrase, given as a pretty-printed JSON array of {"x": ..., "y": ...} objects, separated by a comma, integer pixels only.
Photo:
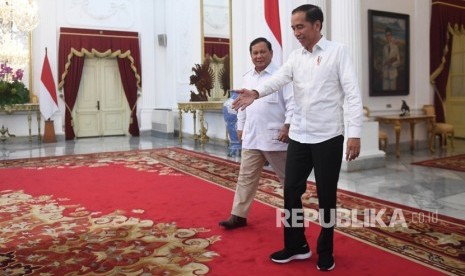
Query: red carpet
[
  {"x": 128, "y": 213},
  {"x": 456, "y": 163}
]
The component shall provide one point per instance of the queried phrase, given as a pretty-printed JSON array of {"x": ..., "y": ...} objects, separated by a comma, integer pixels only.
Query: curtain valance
[
  {"x": 76, "y": 44},
  {"x": 100, "y": 43}
]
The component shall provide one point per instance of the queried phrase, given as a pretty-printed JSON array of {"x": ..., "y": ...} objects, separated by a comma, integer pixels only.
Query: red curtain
[
  {"x": 71, "y": 88},
  {"x": 75, "y": 44},
  {"x": 216, "y": 46},
  {"x": 129, "y": 81},
  {"x": 444, "y": 13}
]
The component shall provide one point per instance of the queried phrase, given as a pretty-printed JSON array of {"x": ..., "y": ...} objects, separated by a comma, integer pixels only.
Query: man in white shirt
[
  {"x": 391, "y": 61},
  {"x": 263, "y": 128},
  {"x": 323, "y": 78}
]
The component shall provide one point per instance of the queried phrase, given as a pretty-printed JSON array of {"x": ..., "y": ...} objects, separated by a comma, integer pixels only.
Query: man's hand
[
  {"x": 353, "y": 148},
  {"x": 284, "y": 134},
  {"x": 245, "y": 98},
  {"x": 239, "y": 135}
]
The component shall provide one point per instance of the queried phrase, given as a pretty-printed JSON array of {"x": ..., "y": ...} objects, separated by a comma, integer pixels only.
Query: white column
[
  {"x": 326, "y": 19},
  {"x": 346, "y": 28},
  {"x": 370, "y": 156}
]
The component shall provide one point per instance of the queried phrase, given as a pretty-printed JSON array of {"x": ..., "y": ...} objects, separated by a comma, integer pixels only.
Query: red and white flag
[
  {"x": 274, "y": 26},
  {"x": 48, "y": 93}
]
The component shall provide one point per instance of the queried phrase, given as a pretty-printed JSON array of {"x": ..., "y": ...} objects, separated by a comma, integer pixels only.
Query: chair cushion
[{"x": 443, "y": 127}]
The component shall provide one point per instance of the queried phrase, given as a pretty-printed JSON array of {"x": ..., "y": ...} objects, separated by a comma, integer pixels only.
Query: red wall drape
[
  {"x": 130, "y": 87},
  {"x": 75, "y": 44},
  {"x": 216, "y": 46},
  {"x": 443, "y": 13},
  {"x": 71, "y": 88}
]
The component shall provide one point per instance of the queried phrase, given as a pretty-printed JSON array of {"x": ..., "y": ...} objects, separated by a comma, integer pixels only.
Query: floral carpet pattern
[
  {"x": 44, "y": 235},
  {"x": 49, "y": 228},
  {"x": 456, "y": 163},
  {"x": 423, "y": 237}
]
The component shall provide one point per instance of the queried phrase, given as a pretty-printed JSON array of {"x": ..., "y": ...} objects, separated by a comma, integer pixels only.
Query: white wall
[
  {"x": 45, "y": 36},
  {"x": 122, "y": 15},
  {"x": 166, "y": 69},
  {"x": 420, "y": 89},
  {"x": 249, "y": 24}
]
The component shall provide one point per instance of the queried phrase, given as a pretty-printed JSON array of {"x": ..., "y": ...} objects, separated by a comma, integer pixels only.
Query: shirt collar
[
  {"x": 321, "y": 44},
  {"x": 270, "y": 69}
]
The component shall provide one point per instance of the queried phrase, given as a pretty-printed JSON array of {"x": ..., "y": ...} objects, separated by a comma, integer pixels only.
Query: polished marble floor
[{"x": 432, "y": 190}]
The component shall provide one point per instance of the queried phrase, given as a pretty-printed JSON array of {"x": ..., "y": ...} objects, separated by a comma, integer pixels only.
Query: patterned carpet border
[
  {"x": 455, "y": 163},
  {"x": 435, "y": 241},
  {"x": 439, "y": 244}
]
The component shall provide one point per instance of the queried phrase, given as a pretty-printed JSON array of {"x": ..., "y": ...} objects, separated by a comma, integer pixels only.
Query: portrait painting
[{"x": 388, "y": 53}]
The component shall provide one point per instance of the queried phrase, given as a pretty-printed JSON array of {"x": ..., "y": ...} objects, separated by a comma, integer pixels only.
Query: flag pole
[
  {"x": 49, "y": 128},
  {"x": 48, "y": 119},
  {"x": 31, "y": 69}
]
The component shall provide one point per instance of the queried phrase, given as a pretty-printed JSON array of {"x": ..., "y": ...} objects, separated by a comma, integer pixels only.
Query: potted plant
[{"x": 12, "y": 89}]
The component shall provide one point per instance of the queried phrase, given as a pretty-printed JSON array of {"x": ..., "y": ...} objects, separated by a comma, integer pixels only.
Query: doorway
[{"x": 101, "y": 107}]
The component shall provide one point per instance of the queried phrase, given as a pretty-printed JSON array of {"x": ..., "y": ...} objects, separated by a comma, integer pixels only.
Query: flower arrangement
[{"x": 12, "y": 89}]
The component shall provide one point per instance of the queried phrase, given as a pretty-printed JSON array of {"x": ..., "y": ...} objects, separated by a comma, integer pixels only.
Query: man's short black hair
[
  {"x": 258, "y": 40},
  {"x": 312, "y": 13}
]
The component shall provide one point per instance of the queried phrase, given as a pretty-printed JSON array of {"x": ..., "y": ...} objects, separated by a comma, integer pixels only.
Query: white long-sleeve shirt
[
  {"x": 322, "y": 81},
  {"x": 262, "y": 121}
]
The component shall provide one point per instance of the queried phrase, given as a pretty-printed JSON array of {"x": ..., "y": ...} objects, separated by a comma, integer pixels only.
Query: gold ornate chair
[
  {"x": 382, "y": 135},
  {"x": 443, "y": 130}
]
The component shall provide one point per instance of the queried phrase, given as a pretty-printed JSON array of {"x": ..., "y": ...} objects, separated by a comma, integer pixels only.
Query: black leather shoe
[{"x": 234, "y": 222}]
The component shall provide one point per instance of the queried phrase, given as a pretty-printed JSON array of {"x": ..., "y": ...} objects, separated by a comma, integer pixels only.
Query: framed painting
[{"x": 388, "y": 44}]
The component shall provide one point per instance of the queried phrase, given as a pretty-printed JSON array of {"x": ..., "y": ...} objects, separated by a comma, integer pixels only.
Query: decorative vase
[{"x": 230, "y": 117}]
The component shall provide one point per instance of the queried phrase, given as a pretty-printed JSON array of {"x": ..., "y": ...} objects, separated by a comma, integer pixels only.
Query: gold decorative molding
[
  {"x": 193, "y": 107},
  {"x": 29, "y": 108},
  {"x": 9, "y": 109}
]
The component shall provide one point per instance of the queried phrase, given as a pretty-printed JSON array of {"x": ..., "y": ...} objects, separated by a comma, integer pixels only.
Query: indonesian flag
[
  {"x": 48, "y": 94},
  {"x": 274, "y": 29}
]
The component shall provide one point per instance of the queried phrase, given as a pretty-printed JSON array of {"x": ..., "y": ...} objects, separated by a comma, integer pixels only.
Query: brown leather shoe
[{"x": 234, "y": 222}]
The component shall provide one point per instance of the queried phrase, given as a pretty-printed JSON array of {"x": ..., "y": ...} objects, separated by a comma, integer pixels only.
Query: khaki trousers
[{"x": 252, "y": 162}]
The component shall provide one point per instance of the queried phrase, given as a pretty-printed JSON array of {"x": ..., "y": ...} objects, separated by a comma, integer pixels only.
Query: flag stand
[{"x": 49, "y": 132}]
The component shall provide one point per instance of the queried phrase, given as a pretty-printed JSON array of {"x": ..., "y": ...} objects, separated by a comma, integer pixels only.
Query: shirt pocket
[
  {"x": 272, "y": 98},
  {"x": 273, "y": 130}
]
